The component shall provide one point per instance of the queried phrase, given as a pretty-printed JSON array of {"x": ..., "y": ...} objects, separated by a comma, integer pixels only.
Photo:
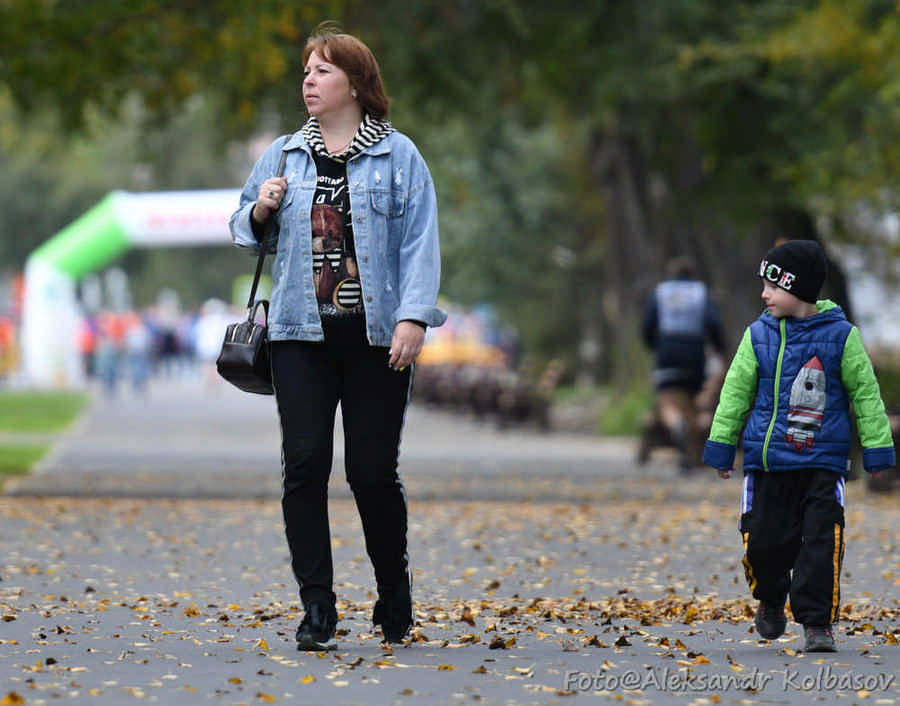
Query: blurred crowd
[
  {"x": 129, "y": 347},
  {"x": 472, "y": 365}
]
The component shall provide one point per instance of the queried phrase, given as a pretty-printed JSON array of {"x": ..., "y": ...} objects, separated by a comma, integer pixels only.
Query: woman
[{"x": 355, "y": 283}]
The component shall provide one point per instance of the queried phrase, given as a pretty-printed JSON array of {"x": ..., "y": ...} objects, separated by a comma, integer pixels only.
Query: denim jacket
[{"x": 395, "y": 231}]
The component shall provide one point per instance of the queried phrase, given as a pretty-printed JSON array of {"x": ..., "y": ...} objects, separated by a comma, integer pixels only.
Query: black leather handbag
[{"x": 244, "y": 358}]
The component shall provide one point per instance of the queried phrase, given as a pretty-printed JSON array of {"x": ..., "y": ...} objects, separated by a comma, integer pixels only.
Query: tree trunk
[{"x": 645, "y": 229}]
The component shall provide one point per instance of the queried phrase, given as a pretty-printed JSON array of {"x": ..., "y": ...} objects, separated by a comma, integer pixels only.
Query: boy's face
[{"x": 781, "y": 303}]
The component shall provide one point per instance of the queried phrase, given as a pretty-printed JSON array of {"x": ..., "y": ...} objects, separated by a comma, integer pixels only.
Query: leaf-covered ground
[{"x": 121, "y": 601}]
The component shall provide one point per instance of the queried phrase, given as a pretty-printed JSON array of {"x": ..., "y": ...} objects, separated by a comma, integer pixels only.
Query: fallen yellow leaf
[
  {"x": 268, "y": 698},
  {"x": 12, "y": 699},
  {"x": 308, "y": 679},
  {"x": 446, "y": 668}
]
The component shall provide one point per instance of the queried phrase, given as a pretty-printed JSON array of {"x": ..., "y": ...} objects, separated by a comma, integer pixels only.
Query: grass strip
[
  {"x": 39, "y": 411},
  {"x": 17, "y": 459}
]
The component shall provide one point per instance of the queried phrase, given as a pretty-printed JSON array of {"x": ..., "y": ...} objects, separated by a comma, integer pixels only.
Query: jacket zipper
[{"x": 782, "y": 327}]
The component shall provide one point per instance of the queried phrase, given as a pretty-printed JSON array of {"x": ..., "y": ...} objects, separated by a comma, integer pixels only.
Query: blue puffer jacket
[{"x": 796, "y": 379}]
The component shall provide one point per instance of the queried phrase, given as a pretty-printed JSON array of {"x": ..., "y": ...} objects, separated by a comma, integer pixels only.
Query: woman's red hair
[{"x": 356, "y": 60}]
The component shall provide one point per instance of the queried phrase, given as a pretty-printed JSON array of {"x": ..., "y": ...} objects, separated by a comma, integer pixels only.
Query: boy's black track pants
[{"x": 792, "y": 524}]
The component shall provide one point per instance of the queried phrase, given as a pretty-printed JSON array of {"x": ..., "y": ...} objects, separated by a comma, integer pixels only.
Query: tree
[{"x": 74, "y": 56}]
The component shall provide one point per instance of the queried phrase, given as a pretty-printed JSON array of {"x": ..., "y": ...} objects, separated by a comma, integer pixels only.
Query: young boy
[{"x": 797, "y": 370}]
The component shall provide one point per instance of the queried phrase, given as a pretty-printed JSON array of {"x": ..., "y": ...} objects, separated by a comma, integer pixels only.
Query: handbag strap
[{"x": 264, "y": 246}]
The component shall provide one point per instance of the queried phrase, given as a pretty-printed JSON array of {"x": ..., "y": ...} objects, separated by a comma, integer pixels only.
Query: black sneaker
[
  {"x": 316, "y": 631},
  {"x": 770, "y": 620},
  {"x": 393, "y": 612},
  {"x": 819, "y": 638}
]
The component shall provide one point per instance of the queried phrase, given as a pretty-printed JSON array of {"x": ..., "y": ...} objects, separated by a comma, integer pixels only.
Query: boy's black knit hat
[{"x": 797, "y": 266}]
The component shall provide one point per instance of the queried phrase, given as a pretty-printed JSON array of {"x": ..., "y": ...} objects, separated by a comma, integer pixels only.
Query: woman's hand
[
  {"x": 269, "y": 199},
  {"x": 406, "y": 344},
  {"x": 724, "y": 474}
]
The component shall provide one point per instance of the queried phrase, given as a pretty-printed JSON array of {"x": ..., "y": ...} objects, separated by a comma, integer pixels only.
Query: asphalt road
[
  {"x": 145, "y": 562},
  {"x": 191, "y": 438}
]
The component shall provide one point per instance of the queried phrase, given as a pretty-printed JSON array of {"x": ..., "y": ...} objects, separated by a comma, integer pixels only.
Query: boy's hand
[{"x": 724, "y": 474}]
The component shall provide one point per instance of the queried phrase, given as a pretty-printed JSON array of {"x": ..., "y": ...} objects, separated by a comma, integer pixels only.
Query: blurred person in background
[
  {"x": 8, "y": 361},
  {"x": 138, "y": 346},
  {"x": 679, "y": 319},
  {"x": 109, "y": 353},
  {"x": 208, "y": 331},
  {"x": 88, "y": 336},
  {"x": 355, "y": 284}
]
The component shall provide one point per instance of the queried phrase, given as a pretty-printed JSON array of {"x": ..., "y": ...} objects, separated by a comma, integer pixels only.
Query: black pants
[
  {"x": 793, "y": 529},
  {"x": 310, "y": 379}
]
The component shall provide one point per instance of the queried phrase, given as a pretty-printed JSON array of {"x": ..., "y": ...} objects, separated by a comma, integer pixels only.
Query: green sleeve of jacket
[
  {"x": 738, "y": 394},
  {"x": 862, "y": 388}
]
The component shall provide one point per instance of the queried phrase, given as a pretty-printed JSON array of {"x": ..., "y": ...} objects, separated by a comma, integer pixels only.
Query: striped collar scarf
[{"x": 369, "y": 132}]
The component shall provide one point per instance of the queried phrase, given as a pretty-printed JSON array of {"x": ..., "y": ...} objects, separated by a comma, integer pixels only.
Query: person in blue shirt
[{"x": 680, "y": 318}]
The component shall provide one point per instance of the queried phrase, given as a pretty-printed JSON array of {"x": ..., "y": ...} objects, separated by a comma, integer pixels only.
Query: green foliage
[
  {"x": 33, "y": 411},
  {"x": 624, "y": 414},
  {"x": 78, "y": 55},
  {"x": 508, "y": 234}
]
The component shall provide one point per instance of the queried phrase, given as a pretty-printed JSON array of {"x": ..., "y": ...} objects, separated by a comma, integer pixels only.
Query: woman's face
[{"x": 326, "y": 88}]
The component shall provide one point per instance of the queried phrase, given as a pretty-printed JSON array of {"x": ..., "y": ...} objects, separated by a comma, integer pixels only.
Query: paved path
[
  {"x": 188, "y": 439},
  {"x": 548, "y": 570}
]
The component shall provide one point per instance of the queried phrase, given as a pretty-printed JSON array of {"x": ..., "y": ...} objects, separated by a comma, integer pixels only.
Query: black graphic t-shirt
[
  {"x": 335, "y": 271},
  {"x": 337, "y": 281}
]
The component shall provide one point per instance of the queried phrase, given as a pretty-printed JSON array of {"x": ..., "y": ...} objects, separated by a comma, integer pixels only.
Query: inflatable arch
[{"x": 120, "y": 221}]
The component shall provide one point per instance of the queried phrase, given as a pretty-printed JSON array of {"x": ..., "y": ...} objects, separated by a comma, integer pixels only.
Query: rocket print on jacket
[
  {"x": 807, "y": 405},
  {"x": 335, "y": 271}
]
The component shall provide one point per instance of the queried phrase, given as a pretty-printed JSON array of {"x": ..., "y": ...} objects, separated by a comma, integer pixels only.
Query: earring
[{"x": 353, "y": 93}]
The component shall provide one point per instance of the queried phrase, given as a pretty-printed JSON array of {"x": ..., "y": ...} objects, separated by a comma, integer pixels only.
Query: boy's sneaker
[
  {"x": 819, "y": 638},
  {"x": 770, "y": 620},
  {"x": 317, "y": 629},
  {"x": 393, "y": 612}
]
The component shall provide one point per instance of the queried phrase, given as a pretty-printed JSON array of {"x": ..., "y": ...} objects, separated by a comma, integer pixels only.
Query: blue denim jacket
[{"x": 395, "y": 231}]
